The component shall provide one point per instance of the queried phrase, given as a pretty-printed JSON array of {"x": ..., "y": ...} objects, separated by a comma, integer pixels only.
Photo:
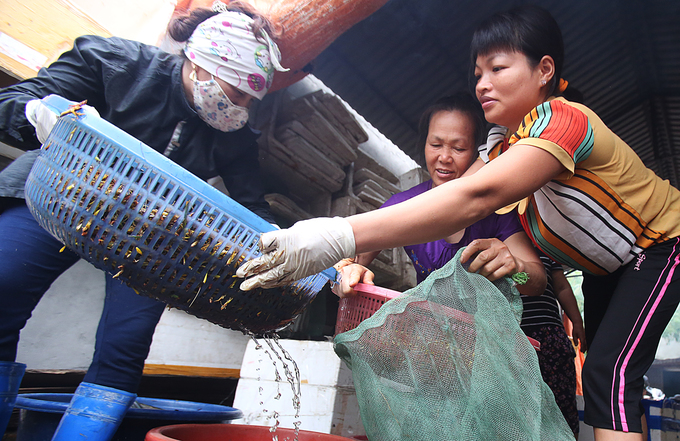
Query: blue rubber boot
[
  {"x": 94, "y": 414},
  {"x": 10, "y": 379}
]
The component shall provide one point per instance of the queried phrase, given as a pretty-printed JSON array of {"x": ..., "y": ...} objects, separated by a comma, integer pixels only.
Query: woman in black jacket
[{"x": 192, "y": 108}]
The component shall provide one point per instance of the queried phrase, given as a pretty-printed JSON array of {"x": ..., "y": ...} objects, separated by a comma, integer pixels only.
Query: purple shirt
[{"x": 430, "y": 256}]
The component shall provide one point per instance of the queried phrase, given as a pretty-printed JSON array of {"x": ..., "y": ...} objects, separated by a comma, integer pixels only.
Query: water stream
[{"x": 279, "y": 356}]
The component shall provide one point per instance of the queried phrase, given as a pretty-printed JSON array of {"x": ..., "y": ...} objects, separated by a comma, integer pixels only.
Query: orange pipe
[{"x": 309, "y": 27}]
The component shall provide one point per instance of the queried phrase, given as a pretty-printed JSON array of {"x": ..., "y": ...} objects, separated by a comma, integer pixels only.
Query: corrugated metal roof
[{"x": 623, "y": 55}]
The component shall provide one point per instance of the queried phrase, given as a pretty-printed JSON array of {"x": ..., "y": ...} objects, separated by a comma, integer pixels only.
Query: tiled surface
[{"x": 328, "y": 402}]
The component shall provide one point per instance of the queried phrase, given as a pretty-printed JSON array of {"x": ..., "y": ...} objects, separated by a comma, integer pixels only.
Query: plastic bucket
[
  {"x": 40, "y": 415},
  {"x": 95, "y": 412},
  {"x": 228, "y": 432}
]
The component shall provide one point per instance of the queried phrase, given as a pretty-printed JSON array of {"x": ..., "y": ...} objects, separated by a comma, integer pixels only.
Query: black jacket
[{"x": 139, "y": 89}]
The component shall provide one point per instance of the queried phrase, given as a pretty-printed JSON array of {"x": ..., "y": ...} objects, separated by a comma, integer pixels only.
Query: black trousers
[{"x": 625, "y": 315}]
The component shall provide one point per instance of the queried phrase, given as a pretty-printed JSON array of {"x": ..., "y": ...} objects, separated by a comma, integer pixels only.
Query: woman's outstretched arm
[
  {"x": 455, "y": 205},
  {"x": 316, "y": 244}
]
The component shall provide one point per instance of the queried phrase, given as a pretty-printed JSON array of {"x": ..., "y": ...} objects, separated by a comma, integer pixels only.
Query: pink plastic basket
[
  {"x": 369, "y": 298},
  {"x": 354, "y": 310}
]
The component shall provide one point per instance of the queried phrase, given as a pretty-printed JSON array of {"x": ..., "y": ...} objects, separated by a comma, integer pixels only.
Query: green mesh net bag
[{"x": 448, "y": 360}]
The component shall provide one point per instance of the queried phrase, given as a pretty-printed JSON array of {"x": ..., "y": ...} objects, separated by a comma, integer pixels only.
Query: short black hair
[
  {"x": 530, "y": 30},
  {"x": 461, "y": 101}
]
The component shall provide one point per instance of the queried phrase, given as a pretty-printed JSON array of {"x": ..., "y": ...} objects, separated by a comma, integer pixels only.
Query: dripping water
[{"x": 277, "y": 354}]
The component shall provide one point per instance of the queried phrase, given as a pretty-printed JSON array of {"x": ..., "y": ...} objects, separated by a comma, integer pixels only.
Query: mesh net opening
[{"x": 448, "y": 360}]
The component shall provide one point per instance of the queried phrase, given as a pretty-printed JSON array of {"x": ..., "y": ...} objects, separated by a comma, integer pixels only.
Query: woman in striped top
[
  {"x": 542, "y": 321},
  {"x": 583, "y": 197}
]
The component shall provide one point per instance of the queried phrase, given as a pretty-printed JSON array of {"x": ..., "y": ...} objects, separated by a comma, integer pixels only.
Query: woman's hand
[
  {"x": 495, "y": 259},
  {"x": 41, "y": 117},
  {"x": 578, "y": 334},
  {"x": 304, "y": 249},
  {"x": 565, "y": 295},
  {"x": 491, "y": 258},
  {"x": 44, "y": 118},
  {"x": 350, "y": 274}
]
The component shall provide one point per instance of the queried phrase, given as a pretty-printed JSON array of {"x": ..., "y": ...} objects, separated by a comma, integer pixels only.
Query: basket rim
[
  {"x": 134, "y": 147},
  {"x": 139, "y": 237},
  {"x": 379, "y": 293},
  {"x": 376, "y": 292}
]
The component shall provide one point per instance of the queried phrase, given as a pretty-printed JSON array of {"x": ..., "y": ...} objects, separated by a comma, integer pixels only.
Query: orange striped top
[{"x": 606, "y": 207}]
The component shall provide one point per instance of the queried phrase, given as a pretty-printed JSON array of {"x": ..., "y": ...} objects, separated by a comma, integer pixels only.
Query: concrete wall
[
  {"x": 60, "y": 335},
  {"x": 328, "y": 401}
]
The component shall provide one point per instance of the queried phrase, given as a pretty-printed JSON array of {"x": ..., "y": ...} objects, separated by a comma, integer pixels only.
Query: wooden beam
[
  {"x": 46, "y": 27},
  {"x": 190, "y": 371}
]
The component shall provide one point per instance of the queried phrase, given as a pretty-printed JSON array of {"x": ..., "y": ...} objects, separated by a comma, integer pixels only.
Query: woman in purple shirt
[
  {"x": 430, "y": 256},
  {"x": 449, "y": 132}
]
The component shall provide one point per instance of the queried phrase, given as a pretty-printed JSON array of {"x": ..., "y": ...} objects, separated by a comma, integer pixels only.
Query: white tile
[{"x": 328, "y": 402}]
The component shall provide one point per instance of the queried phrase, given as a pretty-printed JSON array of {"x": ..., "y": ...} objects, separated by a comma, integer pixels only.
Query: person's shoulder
[
  {"x": 408, "y": 194},
  {"x": 506, "y": 217},
  {"x": 243, "y": 137},
  {"x": 559, "y": 107},
  {"x": 565, "y": 105},
  {"x": 549, "y": 263},
  {"x": 133, "y": 47},
  {"x": 506, "y": 223},
  {"x": 568, "y": 112},
  {"x": 110, "y": 47},
  {"x": 560, "y": 124},
  {"x": 572, "y": 106},
  {"x": 113, "y": 42}
]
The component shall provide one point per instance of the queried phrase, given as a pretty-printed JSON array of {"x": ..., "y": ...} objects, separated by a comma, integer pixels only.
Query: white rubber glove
[
  {"x": 43, "y": 118},
  {"x": 306, "y": 248}
]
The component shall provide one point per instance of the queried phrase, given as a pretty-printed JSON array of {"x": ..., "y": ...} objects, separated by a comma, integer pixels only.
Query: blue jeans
[{"x": 30, "y": 261}]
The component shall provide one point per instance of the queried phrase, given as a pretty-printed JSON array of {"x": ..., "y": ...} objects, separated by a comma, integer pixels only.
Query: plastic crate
[
  {"x": 354, "y": 310},
  {"x": 131, "y": 211}
]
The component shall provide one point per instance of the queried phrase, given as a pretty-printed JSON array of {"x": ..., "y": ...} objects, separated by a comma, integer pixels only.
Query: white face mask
[{"x": 214, "y": 106}]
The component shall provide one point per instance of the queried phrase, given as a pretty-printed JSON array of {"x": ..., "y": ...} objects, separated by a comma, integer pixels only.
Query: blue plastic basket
[{"x": 132, "y": 212}]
